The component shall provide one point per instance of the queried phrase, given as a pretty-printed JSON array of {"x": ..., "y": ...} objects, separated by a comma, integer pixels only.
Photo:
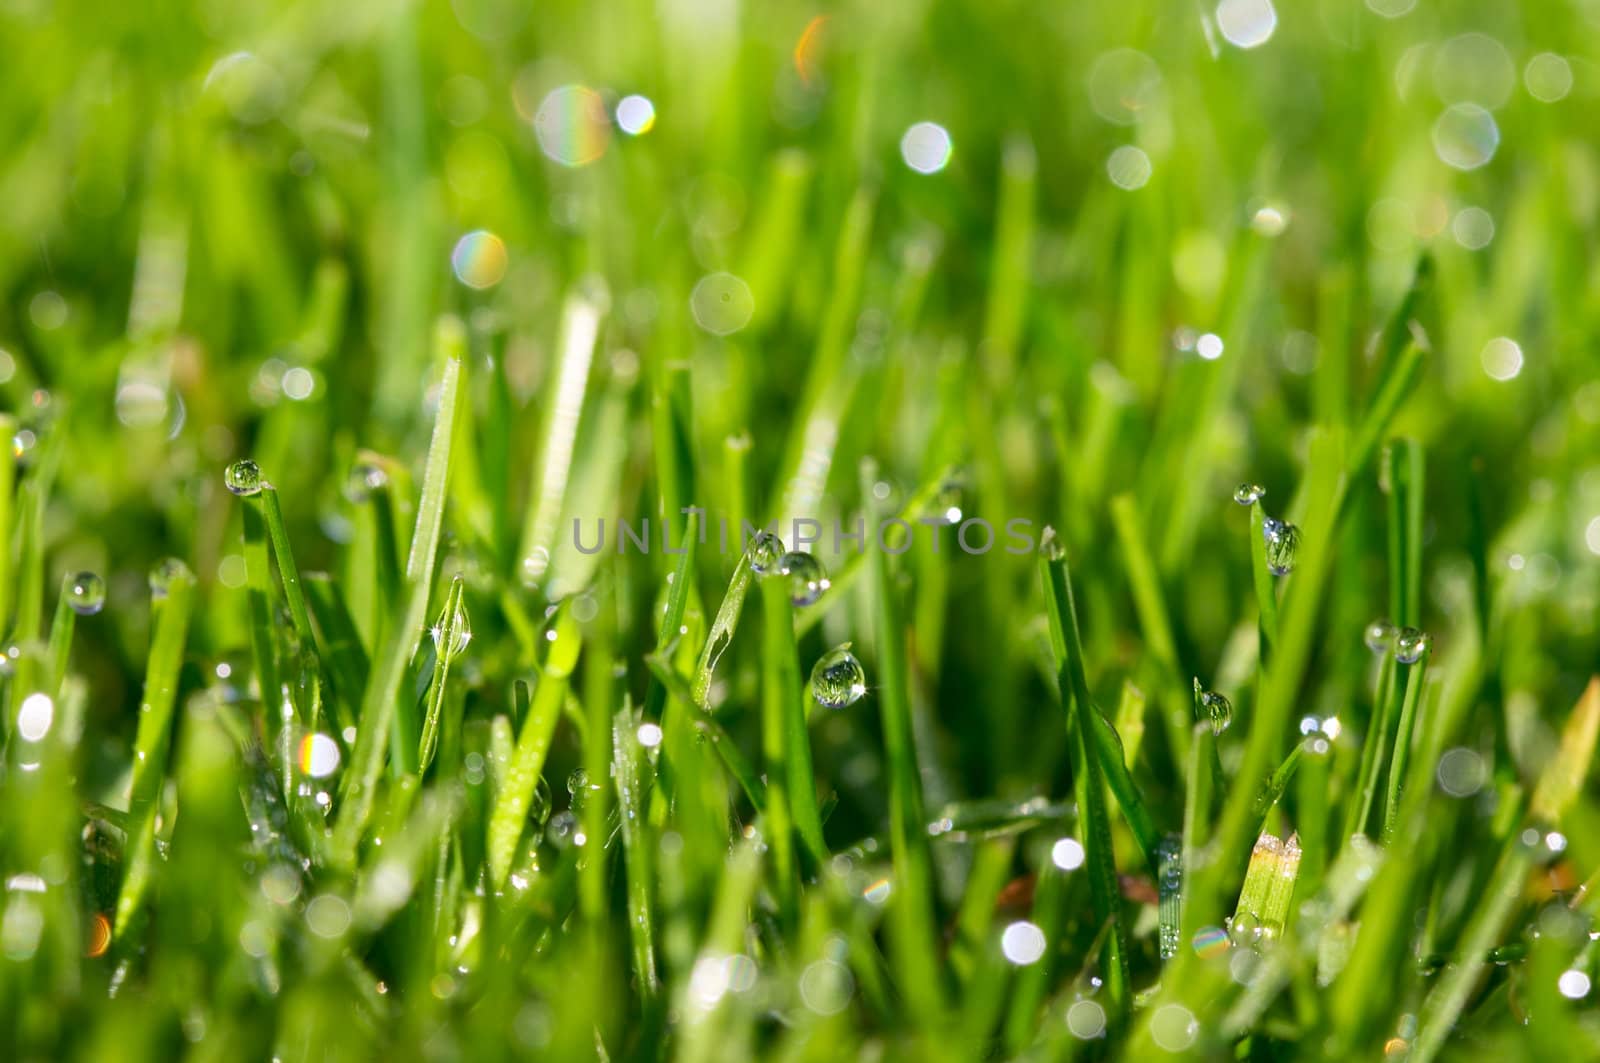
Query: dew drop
[
  {"x": 539, "y": 806},
  {"x": 563, "y": 825},
  {"x": 1249, "y": 494},
  {"x": 243, "y": 478},
  {"x": 365, "y": 478},
  {"x": 577, "y": 782},
  {"x": 806, "y": 579},
  {"x": 1282, "y": 541},
  {"x": 1217, "y": 709},
  {"x": 1050, "y": 545},
  {"x": 459, "y": 628},
  {"x": 1410, "y": 645},
  {"x": 86, "y": 593},
  {"x": 838, "y": 680},
  {"x": 1380, "y": 636},
  {"x": 165, "y": 573},
  {"x": 765, "y": 551}
]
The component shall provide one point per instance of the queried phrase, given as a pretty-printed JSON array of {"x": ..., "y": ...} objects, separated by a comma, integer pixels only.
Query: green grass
[{"x": 331, "y": 334}]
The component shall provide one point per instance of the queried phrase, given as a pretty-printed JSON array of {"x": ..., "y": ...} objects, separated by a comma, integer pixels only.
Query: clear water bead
[
  {"x": 1050, "y": 545},
  {"x": 764, "y": 551},
  {"x": 1410, "y": 645},
  {"x": 563, "y": 826},
  {"x": 365, "y": 478},
  {"x": 1379, "y": 636},
  {"x": 838, "y": 680},
  {"x": 1249, "y": 494},
  {"x": 1282, "y": 541},
  {"x": 165, "y": 574},
  {"x": 1218, "y": 710},
  {"x": 806, "y": 579},
  {"x": 460, "y": 629},
  {"x": 243, "y": 478},
  {"x": 86, "y": 593}
]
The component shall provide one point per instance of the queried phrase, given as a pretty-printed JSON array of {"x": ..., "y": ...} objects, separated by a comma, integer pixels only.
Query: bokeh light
[
  {"x": 722, "y": 303},
  {"x": 1128, "y": 167},
  {"x": 1465, "y": 136},
  {"x": 479, "y": 259},
  {"x": 636, "y": 115},
  {"x": 1246, "y": 23},
  {"x": 1502, "y": 358},
  {"x": 926, "y": 147},
  {"x": 572, "y": 125}
]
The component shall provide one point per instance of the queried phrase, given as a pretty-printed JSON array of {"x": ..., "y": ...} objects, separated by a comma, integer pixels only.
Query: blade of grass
[
  {"x": 1374, "y": 748},
  {"x": 1414, "y": 674},
  {"x": 8, "y": 480},
  {"x": 450, "y": 636},
  {"x": 1404, "y": 471},
  {"x": 912, "y": 934},
  {"x": 288, "y": 571},
  {"x": 630, "y": 774},
  {"x": 515, "y": 796},
  {"x": 1154, "y": 619},
  {"x": 783, "y": 711},
  {"x": 400, "y": 641},
  {"x": 1088, "y": 777},
  {"x": 169, "y": 632},
  {"x": 60, "y": 645},
  {"x": 1266, "y": 587},
  {"x": 580, "y": 327}
]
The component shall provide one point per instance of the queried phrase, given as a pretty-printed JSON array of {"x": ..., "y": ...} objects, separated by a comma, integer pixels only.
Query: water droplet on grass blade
[
  {"x": 243, "y": 478},
  {"x": 806, "y": 579},
  {"x": 86, "y": 594},
  {"x": 1248, "y": 494},
  {"x": 1410, "y": 645},
  {"x": 365, "y": 478},
  {"x": 563, "y": 826},
  {"x": 458, "y": 627},
  {"x": 764, "y": 551},
  {"x": 1379, "y": 636},
  {"x": 1282, "y": 541},
  {"x": 1050, "y": 546},
  {"x": 1216, "y": 709},
  {"x": 164, "y": 574},
  {"x": 838, "y": 680}
]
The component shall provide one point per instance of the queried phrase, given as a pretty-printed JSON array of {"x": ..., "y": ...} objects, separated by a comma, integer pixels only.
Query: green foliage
[{"x": 333, "y": 336}]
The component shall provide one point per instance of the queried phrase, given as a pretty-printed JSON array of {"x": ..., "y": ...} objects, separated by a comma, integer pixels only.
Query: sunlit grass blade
[
  {"x": 1261, "y": 575},
  {"x": 400, "y": 640},
  {"x": 450, "y": 635},
  {"x": 346, "y": 658},
  {"x": 59, "y": 648},
  {"x": 512, "y": 802},
  {"x": 169, "y": 631},
  {"x": 631, "y": 778},
  {"x": 288, "y": 571},
  {"x": 580, "y": 326},
  {"x": 1414, "y": 674}
]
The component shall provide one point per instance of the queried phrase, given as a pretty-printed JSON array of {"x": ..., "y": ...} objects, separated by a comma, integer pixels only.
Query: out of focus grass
[{"x": 429, "y": 267}]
